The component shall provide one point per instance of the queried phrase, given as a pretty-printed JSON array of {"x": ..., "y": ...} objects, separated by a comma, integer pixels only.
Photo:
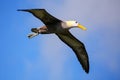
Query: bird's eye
[{"x": 76, "y": 22}]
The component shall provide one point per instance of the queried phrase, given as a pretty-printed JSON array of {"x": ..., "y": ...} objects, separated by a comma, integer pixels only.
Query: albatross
[{"x": 61, "y": 29}]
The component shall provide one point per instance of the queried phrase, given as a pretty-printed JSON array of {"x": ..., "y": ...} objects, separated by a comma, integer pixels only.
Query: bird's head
[{"x": 72, "y": 24}]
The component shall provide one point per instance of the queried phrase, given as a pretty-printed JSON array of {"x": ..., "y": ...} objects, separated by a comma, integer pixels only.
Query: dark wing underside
[
  {"x": 78, "y": 47},
  {"x": 43, "y": 15}
]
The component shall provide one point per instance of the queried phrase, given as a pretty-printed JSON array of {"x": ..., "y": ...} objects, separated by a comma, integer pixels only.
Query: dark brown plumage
[{"x": 61, "y": 29}]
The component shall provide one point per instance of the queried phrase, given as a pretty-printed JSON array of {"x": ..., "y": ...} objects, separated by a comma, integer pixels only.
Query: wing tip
[
  {"x": 28, "y": 9},
  {"x": 87, "y": 71},
  {"x": 85, "y": 66},
  {"x": 22, "y": 10}
]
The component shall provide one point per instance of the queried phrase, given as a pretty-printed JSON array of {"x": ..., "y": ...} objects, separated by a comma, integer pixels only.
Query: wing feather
[
  {"x": 78, "y": 47},
  {"x": 43, "y": 15}
]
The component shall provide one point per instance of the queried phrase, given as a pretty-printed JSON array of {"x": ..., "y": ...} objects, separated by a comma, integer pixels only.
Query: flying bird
[{"x": 61, "y": 29}]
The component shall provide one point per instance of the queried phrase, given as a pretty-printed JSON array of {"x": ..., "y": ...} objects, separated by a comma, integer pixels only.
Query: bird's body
[{"x": 61, "y": 29}]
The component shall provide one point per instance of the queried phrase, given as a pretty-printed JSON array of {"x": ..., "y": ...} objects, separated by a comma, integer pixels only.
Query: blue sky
[{"x": 45, "y": 57}]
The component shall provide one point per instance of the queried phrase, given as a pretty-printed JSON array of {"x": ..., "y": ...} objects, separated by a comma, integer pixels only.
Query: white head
[{"x": 71, "y": 24}]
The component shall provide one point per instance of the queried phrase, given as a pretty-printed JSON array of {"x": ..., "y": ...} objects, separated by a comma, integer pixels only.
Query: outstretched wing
[
  {"x": 43, "y": 15},
  {"x": 78, "y": 47}
]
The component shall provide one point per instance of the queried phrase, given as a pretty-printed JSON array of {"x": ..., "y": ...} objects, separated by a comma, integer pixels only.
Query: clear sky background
[{"x": 45, "y": 57}]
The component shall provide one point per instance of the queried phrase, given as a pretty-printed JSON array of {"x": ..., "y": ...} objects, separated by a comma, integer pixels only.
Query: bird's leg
[{"x": 43, "y": 30}]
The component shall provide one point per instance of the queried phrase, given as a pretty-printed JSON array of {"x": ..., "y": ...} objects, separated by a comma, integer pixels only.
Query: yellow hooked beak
[{"x": 82, "y": 27}]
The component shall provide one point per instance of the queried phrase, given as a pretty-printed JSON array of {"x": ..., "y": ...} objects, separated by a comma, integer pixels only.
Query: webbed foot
[{"x": 32, "y": 35}]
